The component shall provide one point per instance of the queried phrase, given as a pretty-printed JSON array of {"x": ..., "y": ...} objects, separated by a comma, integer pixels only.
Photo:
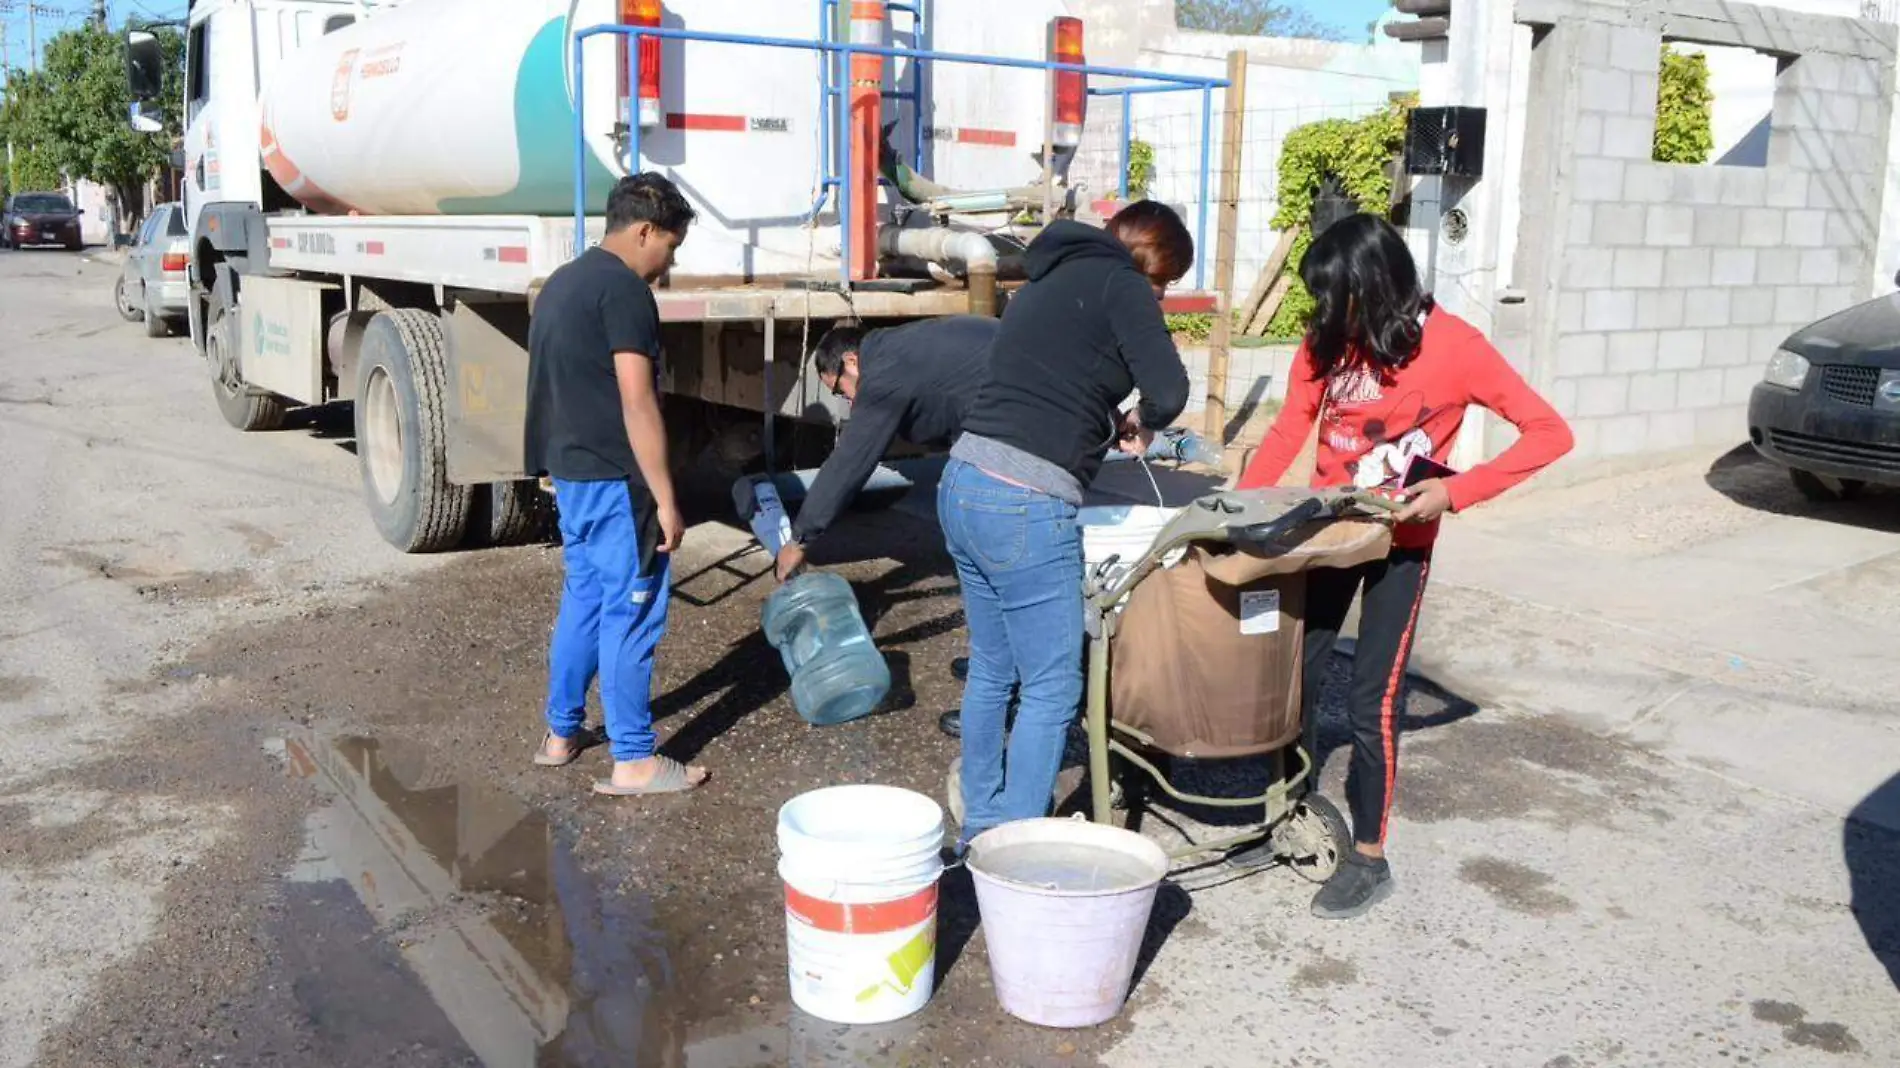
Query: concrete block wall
[{"x": 1660, "y": 290}]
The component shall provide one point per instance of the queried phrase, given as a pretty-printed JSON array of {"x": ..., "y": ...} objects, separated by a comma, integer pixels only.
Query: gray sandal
[
  {"x": 586, "y": 739},
  {"x": 669, "y": 779}
]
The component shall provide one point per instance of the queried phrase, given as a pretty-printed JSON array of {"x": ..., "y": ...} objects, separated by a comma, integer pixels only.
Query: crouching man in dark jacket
[{"x": 913, "y": 382}]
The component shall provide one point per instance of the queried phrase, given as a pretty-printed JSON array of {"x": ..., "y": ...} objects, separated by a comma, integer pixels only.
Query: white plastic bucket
[
  {"x": 1124, "y": 531},
  {"x": 860, "y": 866},
  {"x": 1064, "y": 957}
]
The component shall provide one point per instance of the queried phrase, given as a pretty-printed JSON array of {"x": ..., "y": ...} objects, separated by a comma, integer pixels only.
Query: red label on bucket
[{"x": 880, "y": 917}]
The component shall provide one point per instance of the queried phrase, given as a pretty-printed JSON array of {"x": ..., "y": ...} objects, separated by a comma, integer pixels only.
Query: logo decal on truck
[
  {"x": 340, "y": 86},
  {"x": 267, "y": 338}
]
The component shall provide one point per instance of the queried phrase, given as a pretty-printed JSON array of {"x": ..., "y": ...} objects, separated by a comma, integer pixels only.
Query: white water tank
[{"x": 443, "y": 107}]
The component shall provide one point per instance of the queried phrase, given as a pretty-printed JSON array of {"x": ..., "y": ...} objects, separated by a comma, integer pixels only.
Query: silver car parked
[{"x": 152, "y": 285}]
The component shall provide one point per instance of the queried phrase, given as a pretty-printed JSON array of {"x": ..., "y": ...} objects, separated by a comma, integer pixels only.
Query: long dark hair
[{"x": 1368, "y": 304}]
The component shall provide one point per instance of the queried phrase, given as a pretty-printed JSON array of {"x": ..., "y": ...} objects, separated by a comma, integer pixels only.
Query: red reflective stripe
[
  {"x": 512, "y": 254},
  {"x": 372, "y": 248},
  {"x": 1387, "y": 710},
  {"x": 721, "y": 123},
  {"x": 872, "y": 10},
  {"x": 880, "y": 918},
  {"x": 682, "y": 311},
  {"x": 1190, "y": 304},
  {"x": 999, "y": 138}
]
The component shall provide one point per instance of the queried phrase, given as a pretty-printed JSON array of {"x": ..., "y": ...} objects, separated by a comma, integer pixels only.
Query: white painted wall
[
  {"x": 1289, "y": 83},
  {"x": 95, "y": 227}
]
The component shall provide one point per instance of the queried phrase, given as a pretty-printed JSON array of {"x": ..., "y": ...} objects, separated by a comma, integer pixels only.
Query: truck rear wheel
[
  {"x": 243, "y": 407},
  {"x": 509, "y": 513},
  {"x": 401, "y": 378}
]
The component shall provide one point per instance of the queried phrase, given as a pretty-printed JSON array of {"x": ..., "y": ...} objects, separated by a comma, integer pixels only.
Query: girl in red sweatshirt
[{"x": 1387, "y": 376}]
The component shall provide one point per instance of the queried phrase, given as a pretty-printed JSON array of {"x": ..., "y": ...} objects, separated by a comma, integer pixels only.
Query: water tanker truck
[{"x": 376, "y": 191}]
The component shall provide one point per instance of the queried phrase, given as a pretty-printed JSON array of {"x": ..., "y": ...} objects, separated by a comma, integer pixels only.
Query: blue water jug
[
  {"x": 1184, "y": 446},
  {"x": 759, "y": 505},
  {"x": 813, "y": 621},
  {"x": 837, "y": 673}
]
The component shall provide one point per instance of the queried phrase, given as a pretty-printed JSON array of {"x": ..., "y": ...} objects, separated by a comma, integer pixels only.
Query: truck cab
[{"x": 232, "y": 49}]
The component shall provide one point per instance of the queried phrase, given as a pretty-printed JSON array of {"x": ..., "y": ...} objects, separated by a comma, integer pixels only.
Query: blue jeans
[
  {"x": 612, "y": 616},
  {"x": 1019, "y": 561}
]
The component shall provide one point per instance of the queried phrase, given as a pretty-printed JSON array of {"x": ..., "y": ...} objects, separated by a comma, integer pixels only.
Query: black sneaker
[
  {"x": 951, "y": 723},
  {"x": 960, "y": 669},
  {"x": 1360, "y": 883}
]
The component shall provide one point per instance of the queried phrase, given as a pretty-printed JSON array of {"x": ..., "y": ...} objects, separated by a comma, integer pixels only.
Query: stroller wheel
[{"x": 1314, "y": 839}]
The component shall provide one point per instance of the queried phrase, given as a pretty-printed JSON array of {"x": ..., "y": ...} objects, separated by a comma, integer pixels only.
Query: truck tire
[
  {"x": 401, "y": 447},
  {"x": 509, "y": 513},
  {"x": 244, "y": 408}
]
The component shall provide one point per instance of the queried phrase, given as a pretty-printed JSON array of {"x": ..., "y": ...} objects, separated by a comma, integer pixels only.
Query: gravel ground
[{"x": 265, "y": 800}]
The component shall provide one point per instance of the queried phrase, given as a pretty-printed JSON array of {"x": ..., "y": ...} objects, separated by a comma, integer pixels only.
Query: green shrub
[
  {"x": 1356, "y": 152},
  {"x": 1685, "y": 131}
]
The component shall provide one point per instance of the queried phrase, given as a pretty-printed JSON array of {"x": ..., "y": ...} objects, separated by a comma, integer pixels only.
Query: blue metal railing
[
  {"x": 1128, "y": 93},
  {"x": 845, "y": 51}
]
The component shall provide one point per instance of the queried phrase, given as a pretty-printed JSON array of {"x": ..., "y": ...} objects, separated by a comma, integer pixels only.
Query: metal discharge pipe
[{"x": 938, "y": 245}]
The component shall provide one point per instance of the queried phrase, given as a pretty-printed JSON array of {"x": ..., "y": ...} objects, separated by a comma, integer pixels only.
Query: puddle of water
[{"x": 470, "y": 931}]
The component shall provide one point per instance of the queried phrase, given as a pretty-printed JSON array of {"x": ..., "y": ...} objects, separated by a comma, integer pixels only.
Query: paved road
[{"x": 263, "y": 799}]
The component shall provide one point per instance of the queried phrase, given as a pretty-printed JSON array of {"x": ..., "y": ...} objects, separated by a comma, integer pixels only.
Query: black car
[
  {"x": 1828, "y": 406},
  {"x": 40, "y": 219}
]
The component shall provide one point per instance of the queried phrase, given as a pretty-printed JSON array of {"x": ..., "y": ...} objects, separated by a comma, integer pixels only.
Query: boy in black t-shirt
[{"x": 593, "y": 425}]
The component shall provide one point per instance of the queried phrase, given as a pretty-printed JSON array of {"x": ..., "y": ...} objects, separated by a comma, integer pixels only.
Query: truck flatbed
[{"x": 514, "y": 254}]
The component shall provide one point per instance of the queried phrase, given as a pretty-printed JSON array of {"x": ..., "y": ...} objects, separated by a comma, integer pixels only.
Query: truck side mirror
[
  {"x": 145, "y": 121},
  {"x": 144, "y": 65}
]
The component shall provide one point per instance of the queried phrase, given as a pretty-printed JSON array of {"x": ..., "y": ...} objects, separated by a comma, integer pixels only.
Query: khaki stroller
[{"x": 1195, "y": 652}]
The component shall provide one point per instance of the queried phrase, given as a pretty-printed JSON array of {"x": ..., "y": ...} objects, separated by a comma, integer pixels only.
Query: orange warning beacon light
[
  {"x": 641, "y": 13},
  {"x": 1069, "y": 88}
]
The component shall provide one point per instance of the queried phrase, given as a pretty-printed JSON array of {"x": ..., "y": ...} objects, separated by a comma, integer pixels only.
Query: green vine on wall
[
  {"x": 1685, "y": 130},
  {"x": 1141, "y": 169},
  {"x": 1354, "y": 151}
]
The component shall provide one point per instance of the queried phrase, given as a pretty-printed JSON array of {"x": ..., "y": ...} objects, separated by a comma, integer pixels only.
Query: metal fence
[{"x": 1174, "y": 134}]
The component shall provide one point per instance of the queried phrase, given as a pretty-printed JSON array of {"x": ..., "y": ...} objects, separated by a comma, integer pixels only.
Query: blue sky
[{"x": 1350, "y": 15}]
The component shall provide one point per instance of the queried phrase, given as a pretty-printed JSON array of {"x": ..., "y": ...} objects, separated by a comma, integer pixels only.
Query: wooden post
[{"x": 1233, "y": 129}]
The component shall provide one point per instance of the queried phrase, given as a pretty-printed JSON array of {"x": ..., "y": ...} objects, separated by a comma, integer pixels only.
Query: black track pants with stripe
[{"x": 1388, "y": 621}]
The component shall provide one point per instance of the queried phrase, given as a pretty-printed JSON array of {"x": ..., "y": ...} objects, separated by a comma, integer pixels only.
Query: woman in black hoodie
[{"x": 1075, "y": 342}]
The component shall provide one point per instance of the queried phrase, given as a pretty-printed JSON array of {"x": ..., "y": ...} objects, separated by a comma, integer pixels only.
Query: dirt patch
[
  {"x": 98, "y": 564},
  {"x": 261, "y": 542},
  {"x": 1508, "y": 767},
  {"x": 160, "y": 586},
  {"x": 1516, "y": 887},
  {"x": 446, "y": 674},
  {"x": 17, "y": 688},
  {"x": 1324, "y": 971},
  {"x": 1795, "y": 1028}
]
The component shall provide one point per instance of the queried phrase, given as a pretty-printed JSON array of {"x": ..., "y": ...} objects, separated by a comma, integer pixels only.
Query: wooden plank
[
  {"x": 1233, "y": 132},
  {"x": 1271, "y": 306},
  {"x": 1268, "y": 275}
]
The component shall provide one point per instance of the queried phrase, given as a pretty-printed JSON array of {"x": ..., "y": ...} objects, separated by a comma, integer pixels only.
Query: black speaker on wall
[{"x": 1445, "y": 141}]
